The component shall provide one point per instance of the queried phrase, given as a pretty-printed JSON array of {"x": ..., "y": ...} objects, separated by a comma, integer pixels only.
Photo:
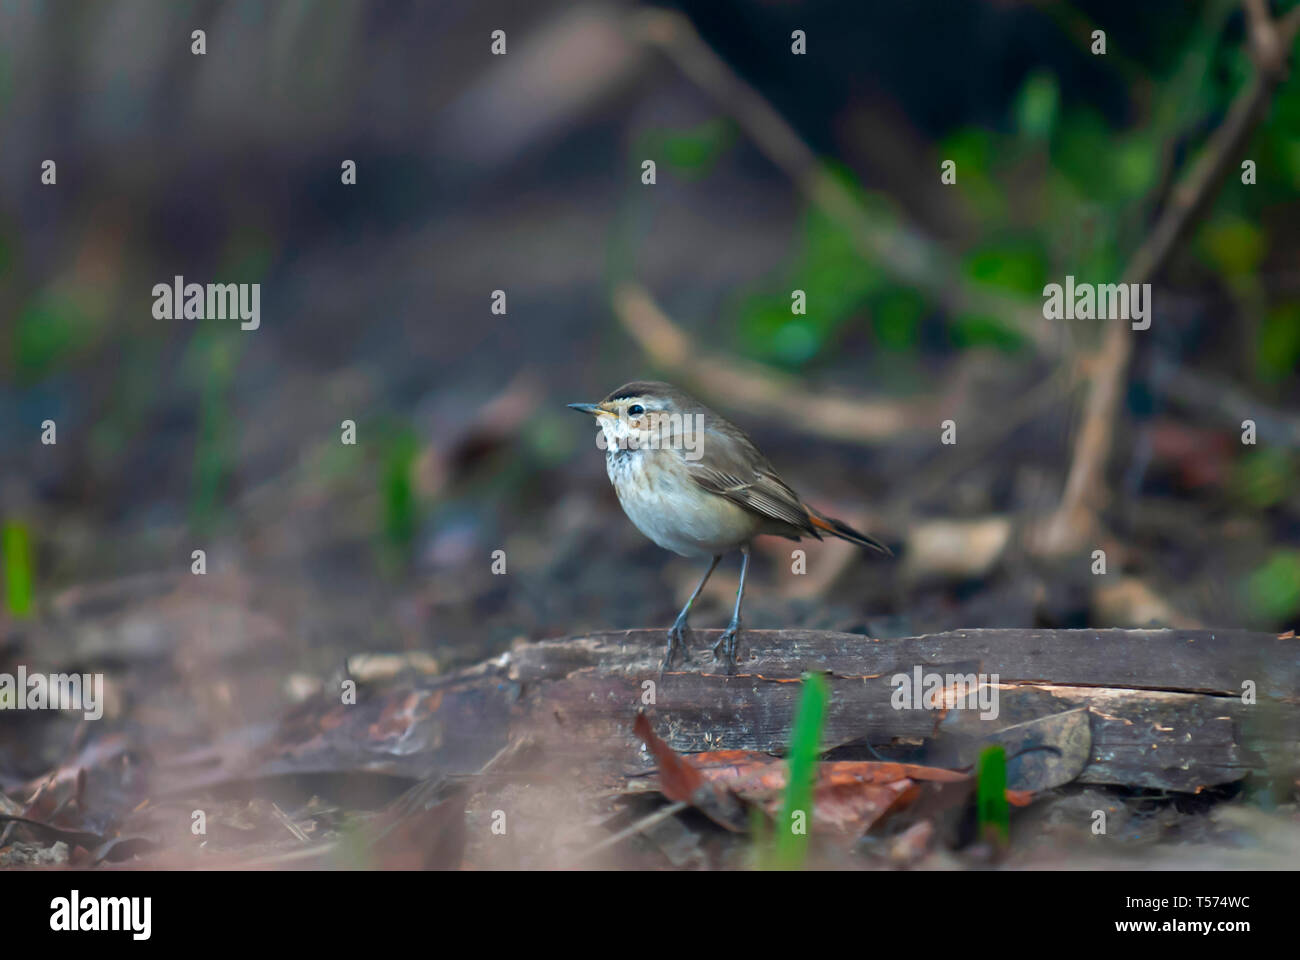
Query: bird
[{"x": 695, "y": 483}]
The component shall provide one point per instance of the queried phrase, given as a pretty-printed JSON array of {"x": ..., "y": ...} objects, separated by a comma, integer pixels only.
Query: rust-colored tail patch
[{"x": 838, "y": 528}]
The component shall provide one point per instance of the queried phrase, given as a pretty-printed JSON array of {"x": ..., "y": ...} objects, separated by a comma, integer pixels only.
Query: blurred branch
[
  {"x": 1075, "y": 519},
  {"x": 1191, "y": 198},
  {"x": 1080, "y": 28},
  {"x": 761, "y": 389},
  {"x": 1214, "y": 399},
  {"x": 1175, "y": 111},
  {"x": 560, "y": 71},
  {"x": 901, "y": 248}
]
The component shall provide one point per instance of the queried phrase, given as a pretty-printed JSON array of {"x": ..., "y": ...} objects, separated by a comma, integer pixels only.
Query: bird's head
[{"x": 641, "y": 414}]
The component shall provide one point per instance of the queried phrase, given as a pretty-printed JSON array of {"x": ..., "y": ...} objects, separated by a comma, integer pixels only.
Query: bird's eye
[{"x": 635, "y": 410}]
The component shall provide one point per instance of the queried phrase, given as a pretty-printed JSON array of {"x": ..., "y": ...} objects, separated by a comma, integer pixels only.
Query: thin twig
[
  {"x": 761, "y": 389},
  {"x": 1214, "y": 399},
  {"x": 663, "y": 813},
  {"x": 1074, "y": 521},
  {"x": 289, "y": 825}
]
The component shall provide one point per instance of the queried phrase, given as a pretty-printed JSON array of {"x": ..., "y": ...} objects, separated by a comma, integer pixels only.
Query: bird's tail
[{"x": 838, "y": 528}]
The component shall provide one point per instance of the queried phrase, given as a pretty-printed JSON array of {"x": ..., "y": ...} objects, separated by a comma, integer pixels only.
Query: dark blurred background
[{"x": 522, "y": 173}]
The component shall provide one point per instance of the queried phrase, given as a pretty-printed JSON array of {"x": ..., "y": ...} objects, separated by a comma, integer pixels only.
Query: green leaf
[
  {"x": 1037, "y": 106},
  {"x": 1290, "y": 151},
  {"x": 1264, "y": 477},
  {"x": 1136, "y": 165},
  {"x": 1015, "y": 266},
  {"x": 50, "y": 329},
  {"x": 897, "y": 319},
  {"x": 974, "y": 152},
  {"x": 836, "y": 279},
  {"x": 797, "y": 342},
  {"x": 1082, "y": 151},
  {"x": 695, "y": 152},
  {"x": 1234, "y": 245},
  {"x": 1273, "y": 590},
  {"x": 976, "y": 330},
  {"x": 1278, "y": 351}
]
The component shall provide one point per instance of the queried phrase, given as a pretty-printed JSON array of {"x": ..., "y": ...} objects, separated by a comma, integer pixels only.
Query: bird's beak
[{"x": 595, "y": 409}]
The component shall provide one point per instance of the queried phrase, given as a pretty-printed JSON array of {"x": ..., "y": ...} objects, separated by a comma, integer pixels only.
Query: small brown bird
[{"x": 694, "y": 483}]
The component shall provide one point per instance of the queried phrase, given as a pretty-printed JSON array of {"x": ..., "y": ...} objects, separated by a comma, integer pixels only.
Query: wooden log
[
  {"x": 1164, "y": 708},
  {"x": 1189, "y": 661}
]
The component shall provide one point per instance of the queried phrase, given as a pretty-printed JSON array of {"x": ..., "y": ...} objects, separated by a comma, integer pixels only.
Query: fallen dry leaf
[
  {"x": 680, "y": 781},
  {"x": 850, "y": 796}
]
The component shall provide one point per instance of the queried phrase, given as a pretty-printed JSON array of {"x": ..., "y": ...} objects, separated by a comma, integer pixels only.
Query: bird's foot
[
  {"x": 676, "y": 645},
  {"x": 725, "y": 648}
]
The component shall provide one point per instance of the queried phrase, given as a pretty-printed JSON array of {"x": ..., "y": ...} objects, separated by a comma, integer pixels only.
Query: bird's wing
[{"x": 732, "y": 467}]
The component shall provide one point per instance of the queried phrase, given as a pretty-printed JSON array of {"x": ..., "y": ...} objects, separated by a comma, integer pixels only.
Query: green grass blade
[
  {"x": 17, "y": 559},
  {"x": 400, "y": 521},
  {"x": 795, "y": 820},
  {"x": 991, "y": 796}
]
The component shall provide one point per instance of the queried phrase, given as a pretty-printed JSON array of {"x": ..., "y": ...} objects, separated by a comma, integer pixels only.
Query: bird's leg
[
  {"x": 677, "y": 633},
  {"x": 728, "y": 639}
]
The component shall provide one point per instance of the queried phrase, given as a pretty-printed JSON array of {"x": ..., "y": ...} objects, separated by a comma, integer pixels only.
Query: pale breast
[{"x": 672, "y": 510}]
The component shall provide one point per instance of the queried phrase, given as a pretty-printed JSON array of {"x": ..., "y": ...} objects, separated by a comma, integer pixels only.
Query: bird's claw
[
  {"x": 676, "y": 645},
  {"x": 725, "y": 648}
]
